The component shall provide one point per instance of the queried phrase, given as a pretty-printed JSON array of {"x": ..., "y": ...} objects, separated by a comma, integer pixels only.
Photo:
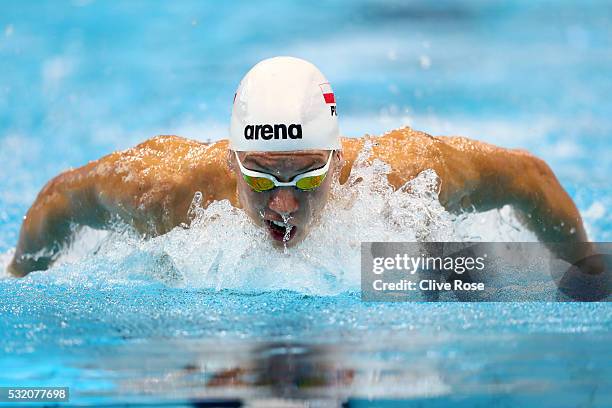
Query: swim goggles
[{"x": 263, "y": 181}]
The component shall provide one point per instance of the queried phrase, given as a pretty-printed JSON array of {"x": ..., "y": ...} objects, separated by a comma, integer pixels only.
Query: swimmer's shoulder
[
  {"x": 163, "y": 172},
  {"x": 397, "y": 140},
  {"x": 407, "y": 144},
  {"x": 176, "y": 148},
  {"x": 410, "y": 152},
  {"x": 163, "y": 153},
  {"x": 406, "y": 150}
]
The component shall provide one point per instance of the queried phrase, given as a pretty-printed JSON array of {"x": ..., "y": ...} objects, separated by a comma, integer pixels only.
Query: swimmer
[{"x": 283, "y": 154}]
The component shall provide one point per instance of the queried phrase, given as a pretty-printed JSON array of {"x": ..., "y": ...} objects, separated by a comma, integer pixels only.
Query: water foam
[{"x": 222, "y": 249}]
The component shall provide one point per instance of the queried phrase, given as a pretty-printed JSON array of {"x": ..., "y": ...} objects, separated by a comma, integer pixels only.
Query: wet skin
[{"x": 151, "y": 186}]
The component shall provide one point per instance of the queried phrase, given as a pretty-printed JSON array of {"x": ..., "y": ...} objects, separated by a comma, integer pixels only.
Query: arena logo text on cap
[
  {"x": 269, "y": 132},
  {"x": 284, "y": 104}
]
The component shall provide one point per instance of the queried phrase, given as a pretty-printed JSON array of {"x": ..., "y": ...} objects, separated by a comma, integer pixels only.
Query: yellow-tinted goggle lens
[
  {"x": 259, "y": 184},
  {"x": 310, "y": 183}
]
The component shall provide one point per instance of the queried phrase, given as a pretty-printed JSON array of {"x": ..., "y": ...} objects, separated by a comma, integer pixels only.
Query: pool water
[{"x": 185, "y": 319}]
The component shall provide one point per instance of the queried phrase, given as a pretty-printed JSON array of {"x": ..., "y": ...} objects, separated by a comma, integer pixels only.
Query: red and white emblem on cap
[{"x": 328, "y": 95}]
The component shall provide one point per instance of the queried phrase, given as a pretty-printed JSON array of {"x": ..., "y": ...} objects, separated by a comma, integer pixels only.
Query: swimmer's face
[{"x": 287, "y": 213}]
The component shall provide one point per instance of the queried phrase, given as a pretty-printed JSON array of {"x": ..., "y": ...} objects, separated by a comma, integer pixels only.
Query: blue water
[{"x": 83, "y": 78}]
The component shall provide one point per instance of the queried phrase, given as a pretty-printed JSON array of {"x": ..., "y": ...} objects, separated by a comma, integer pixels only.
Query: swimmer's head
[
  {"x": 284, "y": 145},
  {"x": 284, "y": 104}
]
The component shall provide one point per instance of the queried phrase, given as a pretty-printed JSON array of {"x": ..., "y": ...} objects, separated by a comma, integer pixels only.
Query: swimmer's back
[{"x": 157, "y": 179}]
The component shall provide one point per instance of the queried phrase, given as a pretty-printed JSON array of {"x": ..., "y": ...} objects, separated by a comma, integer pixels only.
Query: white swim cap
[{"x": 284, "y": 104}]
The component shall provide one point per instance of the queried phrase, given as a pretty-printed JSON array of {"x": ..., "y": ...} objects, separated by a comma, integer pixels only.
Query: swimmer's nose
[{"x": 283, "y": 200}]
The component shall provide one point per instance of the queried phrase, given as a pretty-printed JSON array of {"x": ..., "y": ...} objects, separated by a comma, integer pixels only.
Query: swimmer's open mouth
[{"x": 278, "y": 230}]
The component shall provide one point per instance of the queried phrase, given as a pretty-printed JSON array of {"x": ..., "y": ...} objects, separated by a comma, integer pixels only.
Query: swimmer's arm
[
  {"x": 66, "y": 201},
  {"x": 116, "y": 187},
  {"x": 481, "y": 176}
]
